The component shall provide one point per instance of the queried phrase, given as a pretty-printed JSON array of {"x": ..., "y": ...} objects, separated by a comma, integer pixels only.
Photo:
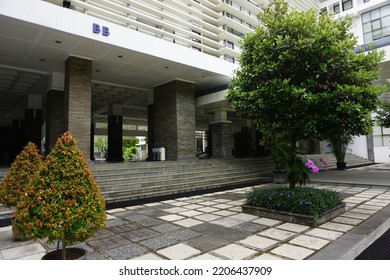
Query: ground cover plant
[{"x": 304, "y": 200}]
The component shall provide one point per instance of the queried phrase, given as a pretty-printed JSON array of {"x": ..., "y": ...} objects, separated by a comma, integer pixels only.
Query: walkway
[{"x": 212, "y": 226}]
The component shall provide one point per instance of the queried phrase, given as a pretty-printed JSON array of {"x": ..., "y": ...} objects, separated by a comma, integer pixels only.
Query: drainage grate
[{"x": 379, "y": 250}]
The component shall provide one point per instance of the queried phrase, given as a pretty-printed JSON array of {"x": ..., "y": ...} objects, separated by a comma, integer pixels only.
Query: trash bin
[
  {"x": 158, "y": 153},
  {"x": 162, "y": 153},
  {"x": 155, "y": 153}
]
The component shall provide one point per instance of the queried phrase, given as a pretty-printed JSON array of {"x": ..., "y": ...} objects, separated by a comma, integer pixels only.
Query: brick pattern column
[
  {"x": 54, "y": 118},
  {"x": 77, "y": 104},
  {"x": 221, "y": 139},
  {"x": 150, "y": 132},
  {"x": 174, "y": 120}
]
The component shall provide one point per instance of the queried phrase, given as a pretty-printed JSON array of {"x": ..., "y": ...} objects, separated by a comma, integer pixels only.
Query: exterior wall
[
  {"x": 221, "y": 139},
  {"x": 359, "y": 147}
]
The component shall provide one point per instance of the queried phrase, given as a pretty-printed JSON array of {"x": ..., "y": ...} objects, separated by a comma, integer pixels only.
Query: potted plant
[
  {"x": 17, "y": 179},
  {"x": 339, "y": 144},
  {"x": 62, "y": 201}
]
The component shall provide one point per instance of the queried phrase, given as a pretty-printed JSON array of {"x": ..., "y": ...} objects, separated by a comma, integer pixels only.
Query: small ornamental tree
[
  {"x": 21, "y": 172},
  {"x": 300, "y": 75},
  {"x": 63, "y": 201}
]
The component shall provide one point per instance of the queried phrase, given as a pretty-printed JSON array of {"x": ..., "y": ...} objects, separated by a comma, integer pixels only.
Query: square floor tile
[
  {"x": 293, "y": 227},
  {"x": 208, "y": 203},
  {"x": 164, "y": 228},
  {"x": 222, "y": 206},
  {"x": 225, "y": 213},
  {"x": 207, "y": 217},
  {"x": 179, "y": 252},
  {"x": 355, "y": 215},
  {"x": 245, "y": 217},
  {"x": 292, "y": 252},
  {"x": 148, "y": 257},
  {"x": 183, "y": 234},
  {"x": 250, "y": 227},
  {"x": 207, "y": 209},
  {"x": 324, "y": 233},
  {"x": 158, "y": 242},
  {"x": 206, "y": 257},
  {"x": 259, "y": 242},
  {"x": 188, "y": 222},
  {"x": 267, "y": 222},
  {"x": 126, "y": 252},
  {"x": 228, "y": 222},
  {"x": 277, "y": 234},
  {"x": 175, "y": 210},
  {"x": 171, "y": 218},
  {"x": 140, "y": 234},
  {"x": 193, "y": 206},
  {"x": 191, "y": 213},
  {"x": 309, "y": 242},
  {"x": 336, "y": 226},
  {"x": 235, "y": 252},
  {"x": 346, "y": 220}
]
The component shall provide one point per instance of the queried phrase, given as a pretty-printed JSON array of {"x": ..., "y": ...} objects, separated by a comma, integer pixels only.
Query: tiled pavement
[{"x": 212, "y": 226}]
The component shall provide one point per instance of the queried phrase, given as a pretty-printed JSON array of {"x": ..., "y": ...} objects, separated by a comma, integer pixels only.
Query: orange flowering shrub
[
  {"x": 21, "y": 172},
  {"x": 63, "y": 201}
]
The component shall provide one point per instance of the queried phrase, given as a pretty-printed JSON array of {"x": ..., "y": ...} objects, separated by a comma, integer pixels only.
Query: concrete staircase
[{"x": 131, "y": 181}]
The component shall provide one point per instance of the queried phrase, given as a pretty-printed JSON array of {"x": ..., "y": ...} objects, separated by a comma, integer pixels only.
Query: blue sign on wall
[{"x": 97, "y": 29}]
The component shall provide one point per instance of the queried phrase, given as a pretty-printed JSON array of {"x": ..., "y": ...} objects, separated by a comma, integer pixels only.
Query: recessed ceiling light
[
  {"x": 97, "y": 70},
  {"x": 42, "y": 59},
  {"x": 120, "y": 56},
  {"x": 58, "y": 41},
  {"x": 166, "y": 67}
]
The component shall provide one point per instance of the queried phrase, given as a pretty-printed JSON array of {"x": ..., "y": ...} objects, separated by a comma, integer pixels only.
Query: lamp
[{"x": 66, "y": 3}]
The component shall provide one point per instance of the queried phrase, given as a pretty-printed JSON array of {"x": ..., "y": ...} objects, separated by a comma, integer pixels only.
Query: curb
[{"x": 354, "y": 242}]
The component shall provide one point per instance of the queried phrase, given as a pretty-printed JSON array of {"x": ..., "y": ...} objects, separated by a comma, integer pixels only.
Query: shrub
[
  {"x": 303, "y": 200},
  {"x": 21, "y": 172},
  {"x": 63, "y": 201}
]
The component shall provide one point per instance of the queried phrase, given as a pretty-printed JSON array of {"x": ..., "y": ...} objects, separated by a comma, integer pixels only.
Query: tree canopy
[{"x": 300, "y": 76}]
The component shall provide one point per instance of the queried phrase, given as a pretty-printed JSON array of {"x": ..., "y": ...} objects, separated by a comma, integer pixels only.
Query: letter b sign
[{"x": 97, "y": 29}]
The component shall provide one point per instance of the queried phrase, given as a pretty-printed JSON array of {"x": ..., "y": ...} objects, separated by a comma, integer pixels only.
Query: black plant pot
[
  {"x": 341, "y": 165},
  {"x": 71, "y": 254}
]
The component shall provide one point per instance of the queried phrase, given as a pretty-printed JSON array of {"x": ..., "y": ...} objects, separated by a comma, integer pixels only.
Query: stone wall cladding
[
  {"x": 174, "y": 119},
  {"x": 54, "y": 118},
  {"x": 77, "y": 105},
  {"x": 221, "y": 139}
]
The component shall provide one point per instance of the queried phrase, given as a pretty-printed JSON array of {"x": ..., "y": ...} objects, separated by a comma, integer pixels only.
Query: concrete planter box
[{"x": 292, "y": 217}]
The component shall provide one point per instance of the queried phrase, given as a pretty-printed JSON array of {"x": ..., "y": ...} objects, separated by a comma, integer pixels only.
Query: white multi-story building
[
  {"x": 156, "y": 68},
  {"x": 371, "y": 25}
]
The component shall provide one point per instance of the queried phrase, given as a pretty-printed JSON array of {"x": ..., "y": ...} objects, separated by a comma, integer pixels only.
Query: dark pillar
[
  {"x": 32, "y": 126},
  {"x": 221, "y": 139},
  {"x": 150, "y": 132},
  {"x": 115, "y": 133},
  {"x": 77, "y": 102},
  {"x": 92, "y": 142},
  {"x": 174, "y": 120},
  {"x": 54, "y": 118},
  {"x": 370, "y": 147}
]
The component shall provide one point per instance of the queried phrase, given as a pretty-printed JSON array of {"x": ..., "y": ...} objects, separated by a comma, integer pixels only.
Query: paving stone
[
  {"x": 235, "y": 252},
  {"x": 324, "y": 233},
  {"x": 108, "y": 242},
  {"x": 222, "y": 200},
  {"x": 293, "y": 227},
  {"x": 158, "y": 242},
  {"x": 116, "y": 210},
  {"x": 188, "y": 222},
  {"x": 346, "y": 220},
  {"x": 207, "y": 217},
  {"x": 267, "y": 222},
  {"x": 206, "y": 243},
  {"x": 34, "y": 257},
  {"x": 183, "y": 234},
  {"x": 370, "y": 207},
  {"x": 245, "y": 217},
  {"x": 148, "y": 257},
  {"x": 292, "y": 252},
  {"x": 115, "y": 222},
  {"x": 179, "y": 252},
  {"x": 171, "y": 218},
  {"x": 222, "y": 206},
  {"x": 219, "y": 232},
  {"x": 336, "y": 226},
  {"x": 164, "y": 228},
  {"x": 228, "y": 222},
  {"x": 224, "y": 213},
  {"x": 148, "y": 222},
  {"x": 206, "y": 257},
  {"x": 277, "y": 234},
  {"x": 250, "y": 227},
  {"x": 267, "y": 256},
  {"x": 95, "y": 256},
  {"x": 178, "y": 203},
  {"x": 140, "y": 234},
  {"x": 208, "y": 203},
  {"x": 355, "y": 215},
  {"x": 126, "y": 252},
  {"x": 134, "y": 207},
  {"x": 363, "y": 211},
  {"x": 110, "y": 217},
  {"x": 259, "y": 242},
  {"x": 23, "y": 251},
  {"x": 124, "y": 228},
  {"x": 193, "y": 206},
  {"x": 208, "y": 209},
  {"x": 191, "y": 213},
  {"x": 309, "y": 242},
  {"x": 175, "y": 210}
]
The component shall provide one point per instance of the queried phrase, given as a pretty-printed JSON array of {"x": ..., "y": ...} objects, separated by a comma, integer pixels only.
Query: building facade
[
  {"x": 120, "y": 68},
  {"x": 371, "y": 25}
]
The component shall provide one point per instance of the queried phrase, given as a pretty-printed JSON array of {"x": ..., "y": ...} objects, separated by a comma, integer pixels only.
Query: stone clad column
[
  {"x": 77, "y": 102},
  {"x": 221, "y": 135},
  {"x": 174, "y": 119},
  {"x": 115, "y": 133}
]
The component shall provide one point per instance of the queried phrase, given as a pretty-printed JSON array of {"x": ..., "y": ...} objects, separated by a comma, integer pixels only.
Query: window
[
  {"x": 381, "y": 136},
  {"x": 336, "y": 8},
  {"x": 366, "y": 1},
  {"x": 347, "y": 4},
  {"x": 229, "y": 44},
  {"x": 229, "y": 58},
  {"x": 323, "y": 10},
  {"x": 376, "y": 24}
]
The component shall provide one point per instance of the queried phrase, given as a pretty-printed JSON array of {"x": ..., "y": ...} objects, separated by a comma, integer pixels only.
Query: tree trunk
[
  {"x": 63, "y": 251},
  {"x": 293, "y": 155}
]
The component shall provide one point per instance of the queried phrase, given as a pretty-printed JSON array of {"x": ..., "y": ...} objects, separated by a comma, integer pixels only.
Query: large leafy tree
[{"x": 300, "y": 76}]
